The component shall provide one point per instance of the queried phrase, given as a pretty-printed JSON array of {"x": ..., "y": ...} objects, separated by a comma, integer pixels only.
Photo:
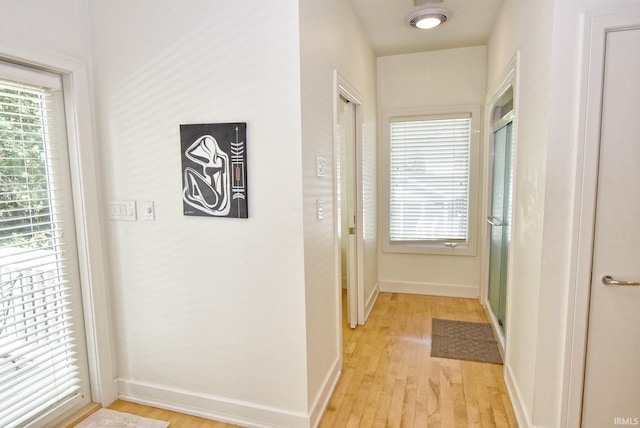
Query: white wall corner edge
[
  {"x": 246, "y": 414},
  {"x": 324, "y": 395},
  {"x": 445, "y": 290}
]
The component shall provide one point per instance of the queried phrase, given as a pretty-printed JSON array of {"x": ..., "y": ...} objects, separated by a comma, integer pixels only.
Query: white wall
[
  {"x": 527, "y": 27},
  {"x": 425, "y": 80},
  {"x": 331, "y": 38},
  {"x": 210, "y": 312},
  {"x": 58, "y": 28}
]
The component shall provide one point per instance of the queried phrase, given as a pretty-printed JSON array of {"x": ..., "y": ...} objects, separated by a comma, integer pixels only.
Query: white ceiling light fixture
[
  {"x": 425, "y": 19},
  {"x": 423, "y": 2}
]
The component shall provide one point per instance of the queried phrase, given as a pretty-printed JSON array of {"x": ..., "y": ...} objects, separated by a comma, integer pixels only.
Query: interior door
[
  {"x": 347, "y": 122},
  {"x": 612, "y": 374},
  {"x": 499, "y": 221}
]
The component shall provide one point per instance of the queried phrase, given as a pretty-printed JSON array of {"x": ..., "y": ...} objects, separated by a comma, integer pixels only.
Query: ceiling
[{"x": 469, "y": 24}]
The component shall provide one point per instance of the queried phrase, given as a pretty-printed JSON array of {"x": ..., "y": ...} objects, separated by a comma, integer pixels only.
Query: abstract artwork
[{"x": 214, "y": 169}]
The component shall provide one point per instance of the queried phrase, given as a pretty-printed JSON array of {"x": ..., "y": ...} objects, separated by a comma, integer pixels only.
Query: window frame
[{"x": 467, "y": 248}]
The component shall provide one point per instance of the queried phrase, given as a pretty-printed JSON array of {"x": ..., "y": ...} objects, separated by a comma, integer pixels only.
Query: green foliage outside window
[{"x": 25, "y": 216}]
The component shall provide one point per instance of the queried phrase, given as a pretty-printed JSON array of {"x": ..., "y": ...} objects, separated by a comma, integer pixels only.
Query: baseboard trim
[
  {"x": 211, "y": 407},
  {"x": 497, "y": 332},
  {"x": 322, "y": 399},
  {"x": 445, "y": 290},
  {"x": 519, "y": 407},
  {"x": 371, "y": 301}
]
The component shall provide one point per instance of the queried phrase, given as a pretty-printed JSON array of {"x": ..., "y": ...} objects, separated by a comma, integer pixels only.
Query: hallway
[{"x": 389, "y": 379}]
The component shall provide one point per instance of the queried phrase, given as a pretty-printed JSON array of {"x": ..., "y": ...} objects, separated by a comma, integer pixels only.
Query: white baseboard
[
  {"x": 517, "y": 402},
  {"x": 497, "y": 331},
  {"x": 322, "y": 399},
  {"x": 371, "y": 301},
  {"x": 446, "y": 290},
  {"x": 211, "y": 407}
]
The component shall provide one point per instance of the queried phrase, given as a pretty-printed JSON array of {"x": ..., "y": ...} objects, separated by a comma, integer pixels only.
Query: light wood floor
[
  {"x": 177, "y": 420},
  {"x": 389, "y": 379}
]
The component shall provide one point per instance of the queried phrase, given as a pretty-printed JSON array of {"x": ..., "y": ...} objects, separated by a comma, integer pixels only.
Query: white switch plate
[
  {"x": 122, "y": 210},
  {"x": 148, "y": 211},
  {"x": 320, "y": 209},
  {"x": 320, "y": 164}
]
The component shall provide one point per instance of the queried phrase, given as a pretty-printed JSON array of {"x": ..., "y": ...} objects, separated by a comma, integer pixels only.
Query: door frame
[
  {"x": 595, "y": 26},
  {"x": 87, "y": 207},
  {"x": 510, "y": 79},
  {"x": 343, "y": 89}
]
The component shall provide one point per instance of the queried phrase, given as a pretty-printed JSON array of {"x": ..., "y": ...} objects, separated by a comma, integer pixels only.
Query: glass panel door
[
  {"x": 43, "y": 368},
  {"x": 499, "y": 221}
]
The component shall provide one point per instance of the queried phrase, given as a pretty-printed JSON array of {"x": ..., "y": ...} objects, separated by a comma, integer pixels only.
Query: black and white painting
[{"x": 214, "y": 169}]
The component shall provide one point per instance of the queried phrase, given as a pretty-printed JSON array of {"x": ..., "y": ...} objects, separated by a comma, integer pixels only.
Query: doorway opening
[
  {"x": 348, "y": 206},
  {"x": 500, "y": 170},
  {"x": 346, "y": 201}
]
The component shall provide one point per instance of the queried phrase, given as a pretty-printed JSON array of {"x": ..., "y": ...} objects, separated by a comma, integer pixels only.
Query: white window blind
[
  {"x": 38, "y": 370},
  {"x": 429, "y": 179}
]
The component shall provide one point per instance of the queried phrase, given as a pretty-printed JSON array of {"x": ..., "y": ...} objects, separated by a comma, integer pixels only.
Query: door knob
[{"x": 608, "y": 280}]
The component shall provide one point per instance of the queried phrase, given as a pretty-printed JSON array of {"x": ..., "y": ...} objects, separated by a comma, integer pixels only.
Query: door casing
[
  {"x": 343, "y": 89},
  {"x": 509, "y": 79}
]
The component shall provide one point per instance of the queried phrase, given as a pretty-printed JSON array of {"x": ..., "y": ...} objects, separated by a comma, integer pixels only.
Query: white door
[
  {"x": 43, "y": 363},
  {"x": 347, "y": 122},
  {"x": 612, "y": 374}
]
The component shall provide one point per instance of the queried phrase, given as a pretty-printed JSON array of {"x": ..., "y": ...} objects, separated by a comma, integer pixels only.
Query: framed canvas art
[{"x": 214, "y": 169}]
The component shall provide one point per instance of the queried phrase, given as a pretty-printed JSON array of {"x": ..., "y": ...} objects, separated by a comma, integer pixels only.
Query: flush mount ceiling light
[
  {"x": 423, "y": 2},
  {"x": 428, "y": 18}
]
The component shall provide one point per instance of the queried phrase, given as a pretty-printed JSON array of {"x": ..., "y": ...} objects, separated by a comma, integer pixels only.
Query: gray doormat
[{"x": 461, "y": 340}]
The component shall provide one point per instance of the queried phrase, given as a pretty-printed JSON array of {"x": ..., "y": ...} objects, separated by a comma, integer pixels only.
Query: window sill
[{"x": 439, "y": 249}]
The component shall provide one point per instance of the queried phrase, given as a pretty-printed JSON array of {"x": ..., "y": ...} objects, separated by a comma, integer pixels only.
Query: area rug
[
  {"x": 461, "y": 340},
  {"x": 105, "y": 418}
]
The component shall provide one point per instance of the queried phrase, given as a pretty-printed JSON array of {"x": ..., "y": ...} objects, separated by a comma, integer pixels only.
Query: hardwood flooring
[
  {"x": 176, "y": 420},
  {"x": 389, "y": 379}
]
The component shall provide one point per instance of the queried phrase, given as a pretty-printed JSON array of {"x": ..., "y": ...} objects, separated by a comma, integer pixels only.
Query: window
[
  {"x": 429, "y": 172},
  {"x": 42, "y": 361}
]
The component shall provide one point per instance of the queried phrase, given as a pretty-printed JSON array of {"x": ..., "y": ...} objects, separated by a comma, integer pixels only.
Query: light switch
[
  {"x": 122, "y": 210},
  {"x": 320, "y": 209},
  {"x": 148, "y": 211},
  {"x": 320, "y": 164}
]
